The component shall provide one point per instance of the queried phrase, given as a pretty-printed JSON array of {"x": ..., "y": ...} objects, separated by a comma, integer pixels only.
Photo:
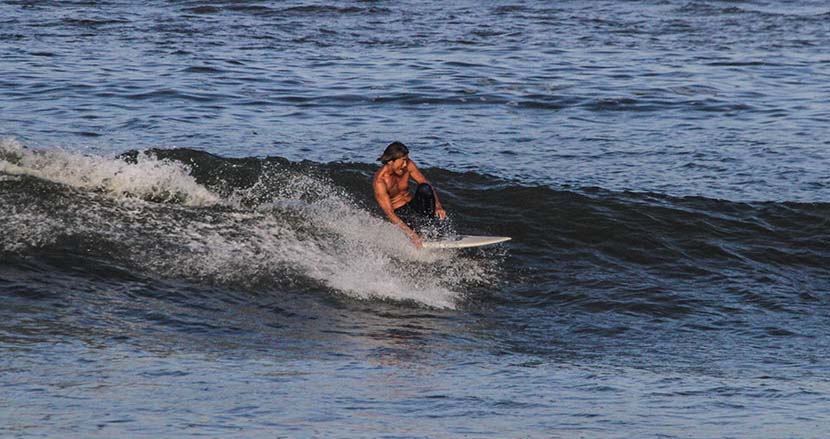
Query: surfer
[{"x": 391, "y": 185}]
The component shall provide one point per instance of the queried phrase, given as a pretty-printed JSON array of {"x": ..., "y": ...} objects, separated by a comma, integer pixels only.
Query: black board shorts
[{"x": 419, "y": 212}]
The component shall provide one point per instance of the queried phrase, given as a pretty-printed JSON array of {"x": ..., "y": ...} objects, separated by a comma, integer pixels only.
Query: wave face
[
  {"x": 263, "y": 222},
  {"x": 252, "y": 223}
]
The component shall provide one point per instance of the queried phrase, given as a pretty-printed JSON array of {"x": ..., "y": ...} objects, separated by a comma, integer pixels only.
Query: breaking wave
[{"x": 253, "y": 223}]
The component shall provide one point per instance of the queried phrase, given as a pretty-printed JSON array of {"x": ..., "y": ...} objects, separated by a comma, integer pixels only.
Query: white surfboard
[{"x": 465, "y": 241}]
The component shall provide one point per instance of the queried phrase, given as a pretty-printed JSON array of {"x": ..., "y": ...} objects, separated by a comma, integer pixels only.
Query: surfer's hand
[
  {"x": 416, "y": 240},
  {"x": 441, "y": 213}
]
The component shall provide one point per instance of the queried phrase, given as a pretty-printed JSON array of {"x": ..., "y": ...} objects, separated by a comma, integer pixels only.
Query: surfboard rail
[{"x": 466, "y": 241}]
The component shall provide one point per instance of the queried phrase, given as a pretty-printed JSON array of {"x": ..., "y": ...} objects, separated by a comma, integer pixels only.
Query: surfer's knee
[{"x": 424, "y": 190}]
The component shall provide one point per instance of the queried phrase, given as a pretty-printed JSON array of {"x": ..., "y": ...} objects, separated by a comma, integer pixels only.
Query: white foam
[
  {"x": 24, "y": 228},
  {"x": 148, "y": 178}
]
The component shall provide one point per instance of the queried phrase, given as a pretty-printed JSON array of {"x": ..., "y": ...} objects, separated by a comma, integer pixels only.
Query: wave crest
[{"x": 146, "y": 177}]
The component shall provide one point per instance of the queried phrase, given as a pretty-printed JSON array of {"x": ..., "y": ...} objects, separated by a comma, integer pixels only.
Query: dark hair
[{"x": 394, "y": 151}]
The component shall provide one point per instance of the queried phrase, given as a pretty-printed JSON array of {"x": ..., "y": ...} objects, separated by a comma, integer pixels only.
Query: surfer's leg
[
  {"x": 423, "y": 206},
  {"x": 423, "y": 202},
  {"x": 408, "y": 215},
  {"x": 419, "y": 214}
]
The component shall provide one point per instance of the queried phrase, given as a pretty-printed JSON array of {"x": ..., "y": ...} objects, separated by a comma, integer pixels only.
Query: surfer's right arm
[{"x": 382, "y": 197}]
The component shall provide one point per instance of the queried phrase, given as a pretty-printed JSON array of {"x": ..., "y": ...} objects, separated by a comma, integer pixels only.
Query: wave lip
[{"x": 147, "y": 177}]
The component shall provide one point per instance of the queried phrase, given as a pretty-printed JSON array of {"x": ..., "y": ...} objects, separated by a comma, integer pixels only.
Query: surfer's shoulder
[{"x": 381, "y": 177}]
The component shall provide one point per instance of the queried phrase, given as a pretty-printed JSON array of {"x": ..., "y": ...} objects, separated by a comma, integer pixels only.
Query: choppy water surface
[{"x": 189, "y": 245}]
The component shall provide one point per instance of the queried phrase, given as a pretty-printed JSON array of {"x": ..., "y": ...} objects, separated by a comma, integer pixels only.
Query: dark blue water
[{"x": 190, "y": 246}]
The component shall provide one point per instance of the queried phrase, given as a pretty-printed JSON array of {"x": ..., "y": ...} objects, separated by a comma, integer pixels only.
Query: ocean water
[{"x": 189, "y": 246}]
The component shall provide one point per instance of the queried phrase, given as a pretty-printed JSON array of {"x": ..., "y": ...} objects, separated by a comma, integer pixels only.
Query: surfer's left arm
[
  {"x": 419, "y": 178},
  {"x": 382, "y": 197}
]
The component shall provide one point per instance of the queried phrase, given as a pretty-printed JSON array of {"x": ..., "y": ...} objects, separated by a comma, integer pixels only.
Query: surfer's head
[{"x": 394, "y": 151}]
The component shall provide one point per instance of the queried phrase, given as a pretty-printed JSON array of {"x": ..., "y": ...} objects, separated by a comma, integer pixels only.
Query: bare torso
[
  {"x": 391, "y": 188},
  {"x": 397, "y": 186}
]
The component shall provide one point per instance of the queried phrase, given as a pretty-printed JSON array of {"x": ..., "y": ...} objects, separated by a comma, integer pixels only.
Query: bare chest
[{"x": 396, "y": 185}]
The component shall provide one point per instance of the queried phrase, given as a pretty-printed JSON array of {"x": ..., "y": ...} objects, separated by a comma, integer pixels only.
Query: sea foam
[{"x": 155, "y": 217}]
